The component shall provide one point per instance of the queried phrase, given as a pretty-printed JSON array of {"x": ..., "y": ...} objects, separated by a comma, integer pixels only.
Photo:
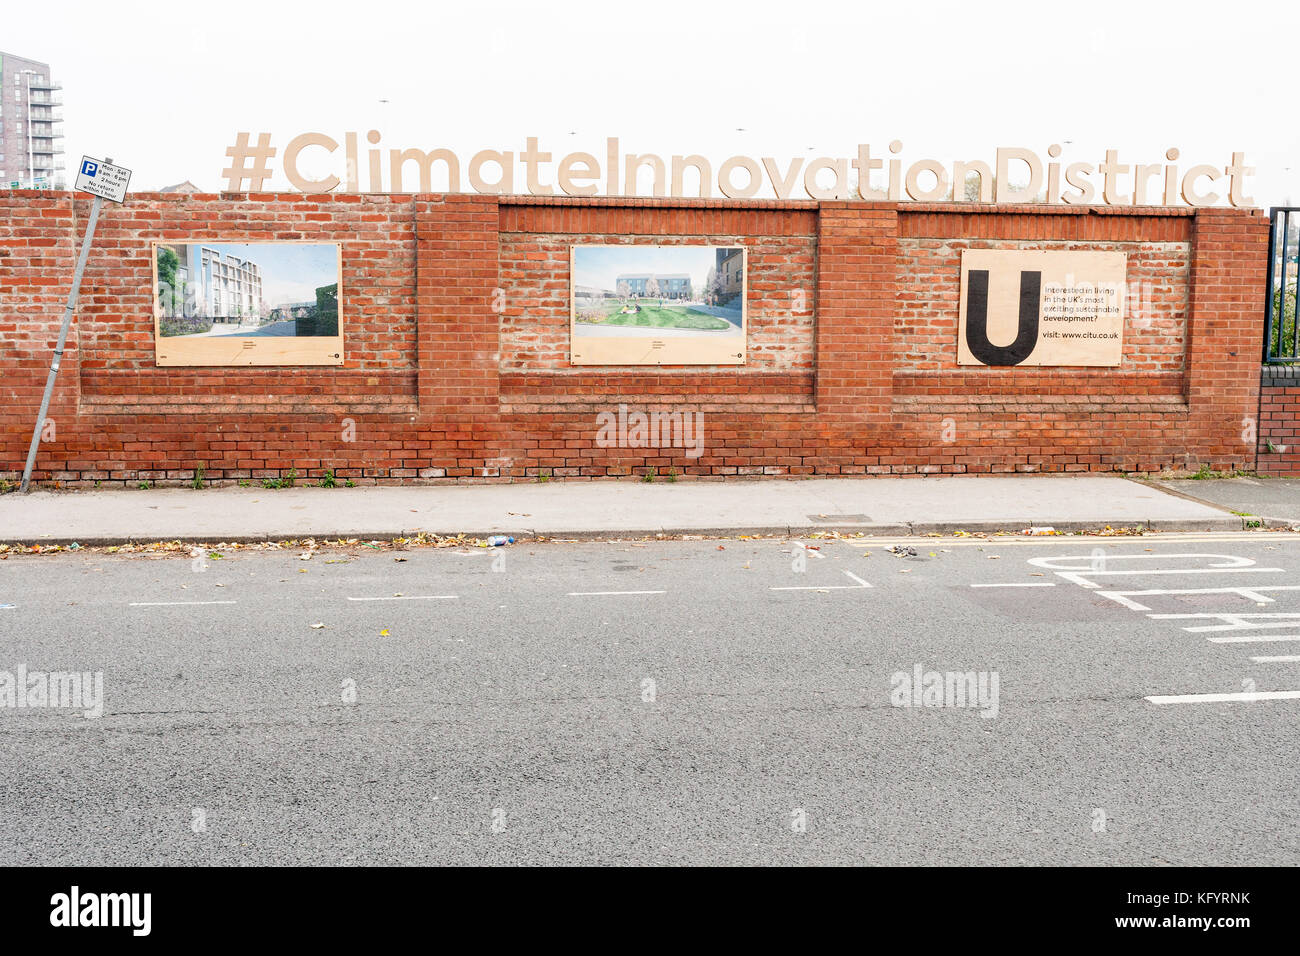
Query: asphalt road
[{"x": 524, "y": 715}]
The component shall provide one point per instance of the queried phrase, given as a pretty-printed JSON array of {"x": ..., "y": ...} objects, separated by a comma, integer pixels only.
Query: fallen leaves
[
  {"x": 421, "y": 539},
  {"x": 304, "y": 546}
]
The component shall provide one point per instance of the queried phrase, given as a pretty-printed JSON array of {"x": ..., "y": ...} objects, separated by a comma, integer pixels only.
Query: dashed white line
[
  {"x": 175, "y": 603},
  {"x": 1018, "y": 584},
  {"x": 1226, "y": 698},
  {"x": 410, "y": 597},
  {"x": 1262, "y": 639},
  {"x": 1278, "y": 659},
  {"x": 609, "y": 593}
]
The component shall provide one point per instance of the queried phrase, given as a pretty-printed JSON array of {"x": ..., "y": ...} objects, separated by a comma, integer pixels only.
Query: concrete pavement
[
  {"x": 600, "y": 508},
  {"x": 1275, "y": 500}
]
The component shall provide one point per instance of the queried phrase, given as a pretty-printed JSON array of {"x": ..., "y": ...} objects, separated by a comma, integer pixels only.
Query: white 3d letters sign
[{"x": 318, "y": 162}]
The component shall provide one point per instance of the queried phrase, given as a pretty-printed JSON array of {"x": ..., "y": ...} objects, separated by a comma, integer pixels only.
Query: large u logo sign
[{"x": 977, "y": 319}]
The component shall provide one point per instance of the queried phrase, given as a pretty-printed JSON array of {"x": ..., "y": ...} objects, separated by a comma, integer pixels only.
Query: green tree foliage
[
  {"x": 1283, "y": 343},
  {"x": 327, "y": 309},
  {"x": 171, "y": 298},
  {"x": 323, "y": 318}
]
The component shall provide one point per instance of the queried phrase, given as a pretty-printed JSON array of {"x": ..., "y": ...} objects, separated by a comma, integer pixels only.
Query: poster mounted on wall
[
  {"x": 248, "y": 303},
  {"x": 657, "y": 305},
  {"x": 1041, "y": 307}
]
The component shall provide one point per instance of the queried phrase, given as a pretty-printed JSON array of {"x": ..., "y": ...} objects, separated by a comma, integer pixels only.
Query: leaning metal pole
[{"x": 58, "y": 349}]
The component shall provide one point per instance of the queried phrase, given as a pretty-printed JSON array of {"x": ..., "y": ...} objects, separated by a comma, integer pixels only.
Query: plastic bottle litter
[{"x": 497, "y": 540}]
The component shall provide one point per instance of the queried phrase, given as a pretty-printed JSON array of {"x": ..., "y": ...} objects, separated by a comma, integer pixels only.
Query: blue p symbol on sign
[{"x": 89, "y": 168}]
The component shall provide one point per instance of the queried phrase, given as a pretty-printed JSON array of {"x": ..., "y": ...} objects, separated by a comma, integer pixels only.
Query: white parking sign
[{"x": 103, "y": 179}]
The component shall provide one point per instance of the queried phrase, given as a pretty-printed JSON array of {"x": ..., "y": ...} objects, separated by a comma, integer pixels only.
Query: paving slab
[
  {"x": 602, "y": 508},
  {"x": 1275, "y": 499}
]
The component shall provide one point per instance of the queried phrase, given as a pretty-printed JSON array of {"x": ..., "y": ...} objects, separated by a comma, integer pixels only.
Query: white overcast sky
[{"x": 163, "y": 88}]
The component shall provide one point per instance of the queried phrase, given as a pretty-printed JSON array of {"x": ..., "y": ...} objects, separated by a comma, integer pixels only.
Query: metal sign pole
[{"x": 63, "y": 337}]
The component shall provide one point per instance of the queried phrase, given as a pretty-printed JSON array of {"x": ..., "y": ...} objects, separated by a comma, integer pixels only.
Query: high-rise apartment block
[{"x": 31, "y": 130}]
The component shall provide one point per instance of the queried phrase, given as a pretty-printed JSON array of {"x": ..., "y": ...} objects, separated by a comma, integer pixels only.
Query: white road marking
[
  {"x": 1090, "y": 561},
  {"x": 1093, "y": 566},
  {"x": 1226, "y": 698},
  {"x": 609, "y": 593},
  {"x": 1251, "y": 594},
  {"x": 1018, "y": 584},
  {"x": 175, "y": 603},
  {"x": 813, "y": 551},
  {"x": 410, "y": 597},
  {"x": 1278, "y": 659},
  {"x": 1261, "y": 639},
  {"x": 1012, "y": 541},
  {"x": 1233, "y": 622},
  {"x": 830, "y": 587},
  {"x": 1079, "y": 579}
]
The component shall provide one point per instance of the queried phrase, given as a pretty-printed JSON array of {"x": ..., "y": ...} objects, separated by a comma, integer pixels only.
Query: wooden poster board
[
  {"x": 270, "y": 333},
  {"x": 610, "y": 324},
  {"x": 1041, "y": 307}
]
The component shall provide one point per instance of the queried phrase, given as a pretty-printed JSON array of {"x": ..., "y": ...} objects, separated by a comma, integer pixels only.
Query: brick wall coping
[{"x": 956, "y": 208}]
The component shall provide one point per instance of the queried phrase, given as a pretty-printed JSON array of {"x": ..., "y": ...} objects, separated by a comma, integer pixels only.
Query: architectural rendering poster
[
  {"x": 1036, "y": 307},
  {"x": 657, "y": 305},
  {"x": 248, "y": 303}
]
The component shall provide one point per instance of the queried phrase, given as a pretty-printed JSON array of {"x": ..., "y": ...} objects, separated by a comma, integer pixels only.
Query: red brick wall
[
  {"x": 455, "y": 316},
  {"x": 1279, "y": 422},
  {"x": 36, "y": 266},
  {"x": 116, "y": 328},
  {"x": 534, "y": 275},
  {"x": 929, "y": 270},
  {"x": 782, "y": 281}
]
